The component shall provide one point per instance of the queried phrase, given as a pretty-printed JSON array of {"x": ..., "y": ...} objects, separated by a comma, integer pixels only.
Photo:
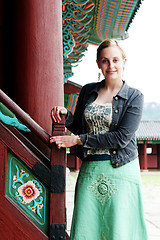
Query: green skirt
[{"x": 108, "y": 203}]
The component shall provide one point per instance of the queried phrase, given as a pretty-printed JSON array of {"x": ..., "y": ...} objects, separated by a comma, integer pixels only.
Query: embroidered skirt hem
[{"x": 108, "y": 203}]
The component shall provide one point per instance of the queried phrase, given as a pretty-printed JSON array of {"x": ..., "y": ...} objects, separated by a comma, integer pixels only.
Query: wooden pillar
[
  {"x": 38, "y": 58},
  {"x": 158, "y": 156},
  {"x": 140, "y": 152},
  {"x": 1, "y": 44},
  {"x": 145, "y": 157}
]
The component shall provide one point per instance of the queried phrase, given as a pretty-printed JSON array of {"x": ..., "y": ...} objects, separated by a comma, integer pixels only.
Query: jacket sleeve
[
  {"x": 125, "y": 131},
  {"x": 74, "y": 122}
]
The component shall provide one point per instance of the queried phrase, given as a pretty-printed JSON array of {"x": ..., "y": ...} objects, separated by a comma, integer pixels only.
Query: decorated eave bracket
[
  {"x": 77, "y": 18},
  {"x": 92, "y": 21}
]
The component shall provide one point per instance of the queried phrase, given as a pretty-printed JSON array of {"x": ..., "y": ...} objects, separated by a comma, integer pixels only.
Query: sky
[{"x": 142, "y": 48}]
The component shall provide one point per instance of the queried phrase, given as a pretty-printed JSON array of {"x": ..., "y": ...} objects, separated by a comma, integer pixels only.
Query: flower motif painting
[{"x": 28, "y": 191}]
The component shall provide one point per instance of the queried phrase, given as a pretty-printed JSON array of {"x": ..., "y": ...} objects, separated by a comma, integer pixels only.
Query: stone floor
[{"x": 151, "y": 198}]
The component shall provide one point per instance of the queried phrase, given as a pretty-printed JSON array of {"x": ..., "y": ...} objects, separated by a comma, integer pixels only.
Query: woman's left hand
[{"x": 64, "y": 141}]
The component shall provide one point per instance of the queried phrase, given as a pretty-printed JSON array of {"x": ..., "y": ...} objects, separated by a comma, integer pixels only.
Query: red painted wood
[
  {"x": 1, "y": 55},
  {"x": 37, "y": 87},
  {"x": 25, "y": 118},
  {"x": 78, "y": 163},
  {"x": 145, "y": 157},
  {"x": 35, "y": 148},
  {"x": 73, "y": 162},
  {"x": 67, "y": 236},
  {"x": 38, "y": 59},
  {"x": 14, "y": 225},
  {"x": 152, "y": 158},
  {"x": 58, "y": 157},
  {"x": 18, "y": 147},
  {"x": 37, "y": 136},
  {"x": 158, "y": 156},
  {"x": 3, "y": 157},
  {"x": 140, "y": 152},
  {"x": 70, "y": 87},
  {"x": 1, "y": 44},
  {"x": 152, "y": 161}
]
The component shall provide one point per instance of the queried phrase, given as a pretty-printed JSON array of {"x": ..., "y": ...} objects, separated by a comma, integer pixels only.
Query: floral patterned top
[{"x": 98, "y": 118}]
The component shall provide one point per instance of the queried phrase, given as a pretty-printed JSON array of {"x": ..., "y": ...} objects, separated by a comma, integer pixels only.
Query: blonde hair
[{"x": 109, "y": 43}]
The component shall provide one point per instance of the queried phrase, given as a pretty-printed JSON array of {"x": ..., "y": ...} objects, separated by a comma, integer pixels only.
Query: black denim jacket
[{"x": 127, "y": 110}]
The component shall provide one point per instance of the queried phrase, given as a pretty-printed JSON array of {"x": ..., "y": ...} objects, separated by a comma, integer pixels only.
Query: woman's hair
[{"x": 109, "y": 43}]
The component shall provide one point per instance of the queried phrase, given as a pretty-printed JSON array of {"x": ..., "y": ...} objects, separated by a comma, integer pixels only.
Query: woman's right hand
[{"x": 56, "y": 112}]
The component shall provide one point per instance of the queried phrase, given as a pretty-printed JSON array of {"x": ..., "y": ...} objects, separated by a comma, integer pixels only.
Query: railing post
[{"x": 57, "y": 192}]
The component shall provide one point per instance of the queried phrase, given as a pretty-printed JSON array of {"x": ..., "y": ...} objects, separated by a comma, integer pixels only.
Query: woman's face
[{"x": 111, "y": 63}]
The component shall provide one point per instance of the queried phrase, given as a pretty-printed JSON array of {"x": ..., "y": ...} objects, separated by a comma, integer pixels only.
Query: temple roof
[
  {"x": 92, "y": 21},
  {"x": 148, "y": 130},
  {"x": 111, "y": 19}
]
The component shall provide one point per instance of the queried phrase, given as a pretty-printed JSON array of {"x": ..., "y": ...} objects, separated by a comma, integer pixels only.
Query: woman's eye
[
  {"x": 115, "y": 60},
  {"x": 104, "y": 60}
]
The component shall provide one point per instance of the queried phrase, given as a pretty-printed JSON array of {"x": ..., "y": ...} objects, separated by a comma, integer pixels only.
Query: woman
[{"x": 108, "y": 203}]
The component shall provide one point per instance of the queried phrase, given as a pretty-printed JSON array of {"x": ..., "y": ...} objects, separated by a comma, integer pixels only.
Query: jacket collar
[
  {"x": 123, "y": 93},
  {"x": 97, "y": 86}
]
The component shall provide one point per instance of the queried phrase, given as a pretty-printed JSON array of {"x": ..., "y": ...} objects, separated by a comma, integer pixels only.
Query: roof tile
[{"x": 148, "y": 129}]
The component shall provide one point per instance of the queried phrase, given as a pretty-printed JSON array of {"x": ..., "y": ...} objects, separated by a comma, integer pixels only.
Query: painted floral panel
[{"x": 27, "y": 192}]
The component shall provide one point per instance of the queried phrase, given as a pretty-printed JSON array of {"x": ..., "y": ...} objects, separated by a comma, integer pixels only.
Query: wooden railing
[
  {"x": 25, "y": 118},
  {"x": 49, "y": 166}
]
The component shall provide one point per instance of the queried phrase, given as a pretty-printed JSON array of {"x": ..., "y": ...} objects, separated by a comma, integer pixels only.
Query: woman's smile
[{"x": 111, "y": 71}]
